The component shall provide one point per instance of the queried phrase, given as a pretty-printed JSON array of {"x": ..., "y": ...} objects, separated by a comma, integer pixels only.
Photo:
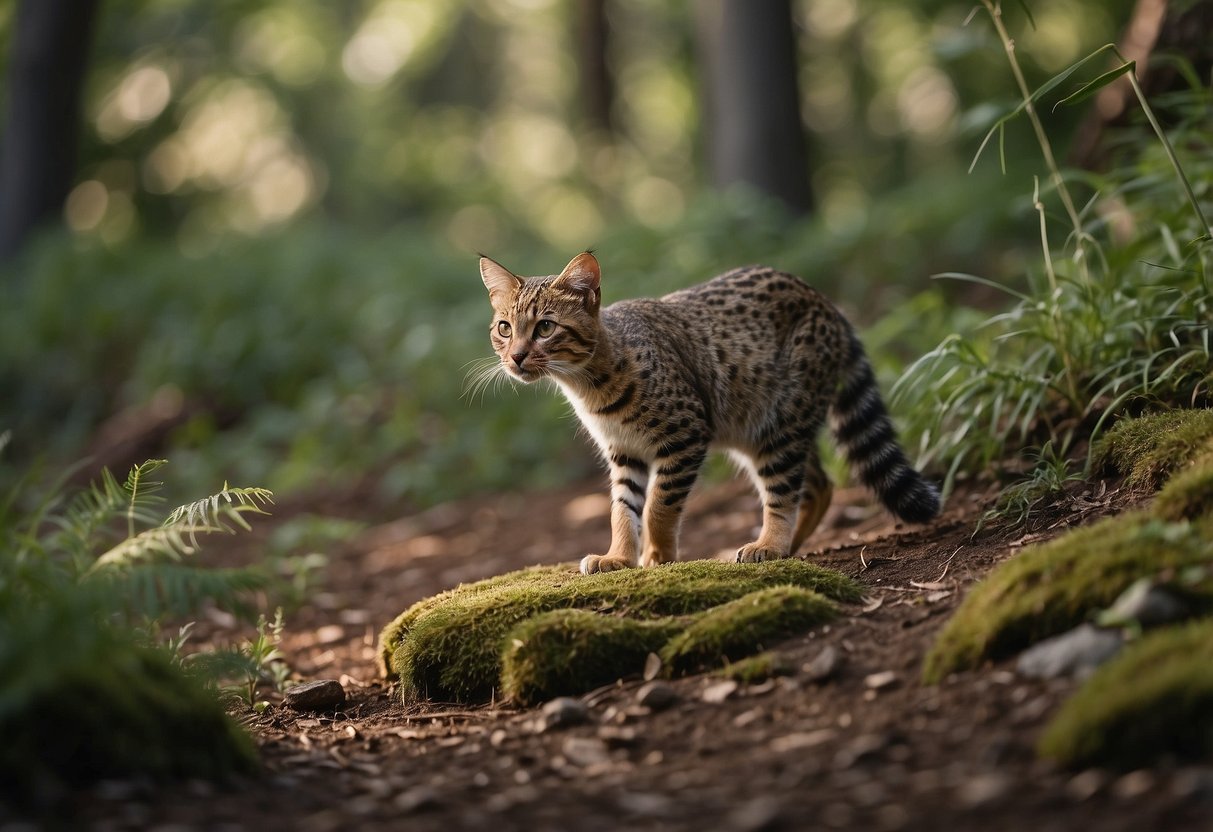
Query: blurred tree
[
  {"x": 754, "y": 130},
  {"x": 47, "y": 63},
  {"x": 597, "y": 82}
]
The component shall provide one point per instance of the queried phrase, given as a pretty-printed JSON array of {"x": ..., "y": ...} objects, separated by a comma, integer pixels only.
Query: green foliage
[
  {"x": 1148, "y": 450},
  {"x": 755, "y": 669},
  {"x": 755, "y": 621},
  {"x": 83, "y": 589},
  {"x": 451, "y": 646},
  {"x": 1153, "y": 702},
  {"x": 1117, "y": 317}
]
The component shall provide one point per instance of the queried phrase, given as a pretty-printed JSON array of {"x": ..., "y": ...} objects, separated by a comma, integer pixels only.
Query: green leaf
[{"x": 1095, "y": 85}]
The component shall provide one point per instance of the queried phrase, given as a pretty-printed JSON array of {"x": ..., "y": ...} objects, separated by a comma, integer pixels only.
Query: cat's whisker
[{"x": 485, "y": 373}]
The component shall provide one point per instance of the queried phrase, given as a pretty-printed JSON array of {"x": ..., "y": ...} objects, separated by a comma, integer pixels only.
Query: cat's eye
[
  {"x": 503, "y": 329},
  {"x": 544, "y": 328}
]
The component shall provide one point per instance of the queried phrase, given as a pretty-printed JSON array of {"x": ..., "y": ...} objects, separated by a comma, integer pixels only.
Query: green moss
[
  {"x": 1187, "y": 496},
  {"x": 122, "y": 711},
  {"x": 567, "y": 652},
  {"x": 450, "y": 646},
  {"x": 1051, "y": 588},
  {"x": 744, "y": 626},
  {"x": 755, "y": 669},
  {"x": 1154, "y": 700},
  {"x": 1149, "y": 449}
]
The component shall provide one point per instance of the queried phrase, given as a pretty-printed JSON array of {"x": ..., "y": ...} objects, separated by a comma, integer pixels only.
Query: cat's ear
[
  {"x": 500, "y": 281},
  {"x": 583, "y": 276}
]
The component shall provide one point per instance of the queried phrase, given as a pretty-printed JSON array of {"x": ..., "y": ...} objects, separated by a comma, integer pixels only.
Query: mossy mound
[
  {"x": 121, "y": 710},
  {"x": 1155, "y": 700},
  {"x": 1052, "y": 588},
  {"x": 576, "y": 650},
  {"x": 1187, "y": 496},
  {"x": 451, "y": 646},
  {"x": 1150, "y": 449},
  {"x": 737, "y": 629}
]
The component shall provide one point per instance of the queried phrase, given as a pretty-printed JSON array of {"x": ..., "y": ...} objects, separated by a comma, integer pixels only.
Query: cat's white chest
[{"x": 610, "y": 434}]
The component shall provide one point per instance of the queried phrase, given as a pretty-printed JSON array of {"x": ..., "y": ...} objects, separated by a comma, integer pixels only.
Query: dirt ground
[{"x": 870, "y": 749}]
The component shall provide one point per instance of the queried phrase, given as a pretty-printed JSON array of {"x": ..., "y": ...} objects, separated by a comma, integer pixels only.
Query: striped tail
[{"x": 863, "y": 429}]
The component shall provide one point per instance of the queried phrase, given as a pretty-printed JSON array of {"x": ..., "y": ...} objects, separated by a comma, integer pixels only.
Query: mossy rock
[
  {"x": 737, "y": 629},
  {"x": 572, "y": 651},
  {"x": 450, "y": 646},
  {"x": 1148, "y": 450},
  {"x": 120, "y": 711},
  {"x": 1052, "y": 588},
  {"x": 1153, "y": 701}
]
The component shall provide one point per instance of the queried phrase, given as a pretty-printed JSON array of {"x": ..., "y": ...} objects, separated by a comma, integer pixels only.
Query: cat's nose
[{"x": 519, "y": 357}]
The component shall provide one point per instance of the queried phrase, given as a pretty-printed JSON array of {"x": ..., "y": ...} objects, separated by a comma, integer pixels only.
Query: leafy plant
[{"x": 1109, "y": 323}]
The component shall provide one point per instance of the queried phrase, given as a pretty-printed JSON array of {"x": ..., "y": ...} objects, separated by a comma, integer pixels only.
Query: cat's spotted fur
[{"x": 752, "y": 361}]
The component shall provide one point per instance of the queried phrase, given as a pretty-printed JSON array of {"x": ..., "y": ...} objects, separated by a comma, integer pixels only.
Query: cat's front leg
[
  {"x": 678, "y": 463},
  {"x": 629, "y": 481}
]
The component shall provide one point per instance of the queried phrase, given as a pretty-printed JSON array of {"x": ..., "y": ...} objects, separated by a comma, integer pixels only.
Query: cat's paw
[
  {"x": 603, "y": 563},
  {"x": 655, "y": 558},
  {"x": 754, "y": 553}
]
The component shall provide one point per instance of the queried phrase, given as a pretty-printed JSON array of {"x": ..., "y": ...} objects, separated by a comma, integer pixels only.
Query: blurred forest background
[{"x": 242, "y": 235}]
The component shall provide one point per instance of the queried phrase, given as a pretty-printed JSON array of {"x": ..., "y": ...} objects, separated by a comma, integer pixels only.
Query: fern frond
[
  {"x": 172, "y": 542},
  {"x": 153, "y": 590},
  {"x": 229, "y": 503},
  {"x": 141, "y": 491}
]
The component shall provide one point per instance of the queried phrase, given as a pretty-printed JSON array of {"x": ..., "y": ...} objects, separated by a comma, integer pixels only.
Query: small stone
[
  {"x": 563, "y": 712},
  {"x": 802, "y": 740},
  {"x": 719, "y": 692},
  {"x": 1086, "y": 784},
  {"x": 657, "y": 695},
  {"x": 1079, "y": 651},
  {"x": 825, "y": 665},
  {"x": 1133, "y": 785},
  {"x": 879, "y": 681},
  {"x": 585, "y": 751},
  {"x": 616, "y": 736},
  {"x": 862, "y": 748},
  {"x": 321, "y": 695},
  {"x": 416, "y": 799},
  {"x": 983, "y": 789},
  {"x": 652, "y": 667},
  {"x": 1147, "y": 605}
]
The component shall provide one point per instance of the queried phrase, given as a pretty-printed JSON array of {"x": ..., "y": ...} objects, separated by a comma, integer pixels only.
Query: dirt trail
[{"x": 870, "y": 748}]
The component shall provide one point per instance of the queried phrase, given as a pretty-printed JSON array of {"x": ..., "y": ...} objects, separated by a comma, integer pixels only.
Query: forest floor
[{"x": 870, "y": 748}]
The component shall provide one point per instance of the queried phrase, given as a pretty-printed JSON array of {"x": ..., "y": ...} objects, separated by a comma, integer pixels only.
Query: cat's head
[{"x": 544, "y": 326}]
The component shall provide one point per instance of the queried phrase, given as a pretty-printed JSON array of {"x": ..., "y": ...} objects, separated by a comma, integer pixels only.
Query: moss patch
[
  {"x": 1154, "y": 700},
  {"x": 572, "y": 651},
  {"x": 1150, "y": 449},
  {"x": 450, "y": 646},
  {"x": 755, "y": 669},
  {"x": 1187, "y": 496},
  {"x": 1052, "y": 588},
  {"x": 736, "y": 629}
]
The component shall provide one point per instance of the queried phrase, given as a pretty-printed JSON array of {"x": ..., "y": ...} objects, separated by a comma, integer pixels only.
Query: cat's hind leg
[{"x": 815, "y": 496}]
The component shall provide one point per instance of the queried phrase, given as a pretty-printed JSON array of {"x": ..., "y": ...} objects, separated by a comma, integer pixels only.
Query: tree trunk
[
  {"x": 597, "y": 82},
  {"x": 754, "y": 131},
  {"x": 38, "y": 153}
]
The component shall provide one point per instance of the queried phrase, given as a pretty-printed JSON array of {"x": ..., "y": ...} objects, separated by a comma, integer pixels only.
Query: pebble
[
  {"x": 719, "y": 692},
  {"x": 1079, "y": 651},
  {"x": 1148, "y": 605},
  {"x": 878, "y": 681},
  {"x": 1133, "y": 785},
  {"x": 656, "y": 695},
  {"x": 825, "y": 665},
  {"x": 756, "y": 815},
  {"x": 652, "y": 666},
  {"x": 799, "y": 740},
  {"x": 862, "y": 748},
  {"x": 983, "y": 789},
  {"x": 416, "y": 799},
  {"x": 1086, "y": 784},
  {"x": 563, "y": 712},
  {"x": 585, "y": 751},
  {"x": 321, "y": 695}
]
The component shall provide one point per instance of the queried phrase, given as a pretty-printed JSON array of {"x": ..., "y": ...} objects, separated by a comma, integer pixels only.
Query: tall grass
[{"x": 1114, "y": 319}]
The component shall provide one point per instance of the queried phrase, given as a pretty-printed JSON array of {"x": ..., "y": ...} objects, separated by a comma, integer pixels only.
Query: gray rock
[
  {"x": 657, "y": 695},
  {"x": 881, "y": 680},
  {"x": 321, "y": 695},
  {"x": 717, "y": 693},
  {"x": 825, "y": 665},
  {"x": 586, "y": 751},
  {"x": 1146, "y": 604},
  {"x": 1079, "y": 651},
  {"x": 563, "y": 712}
]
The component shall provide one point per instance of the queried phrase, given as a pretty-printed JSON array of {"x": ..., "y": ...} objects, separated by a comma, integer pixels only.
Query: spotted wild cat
[{"x": 751, "y": 361}]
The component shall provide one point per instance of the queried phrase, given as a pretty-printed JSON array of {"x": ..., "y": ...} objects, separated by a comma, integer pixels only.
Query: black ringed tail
[{"x": 863, "y": 429}]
